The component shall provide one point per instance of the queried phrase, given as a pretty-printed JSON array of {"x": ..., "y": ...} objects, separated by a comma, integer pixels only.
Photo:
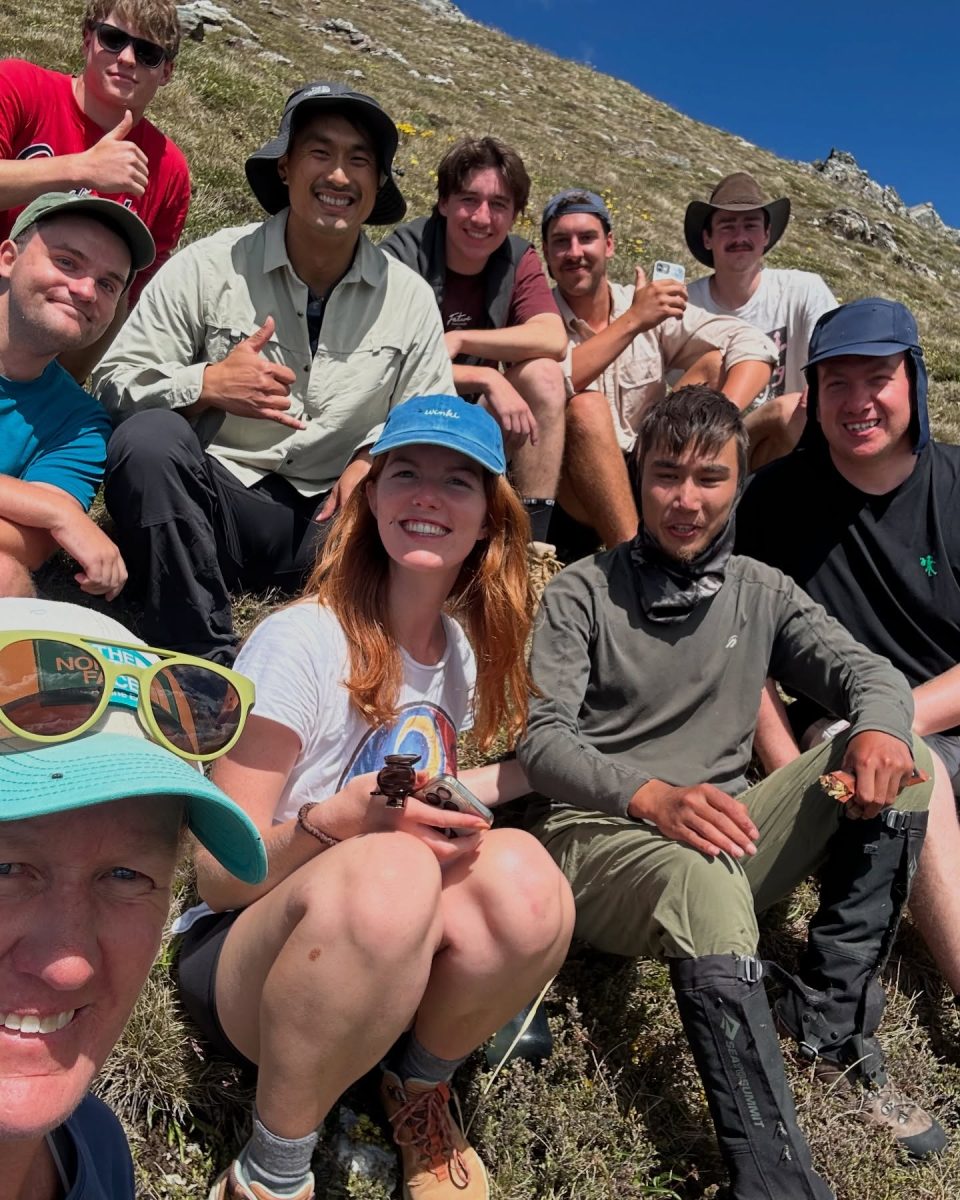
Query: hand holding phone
[
  {"x": 663, "y": 297},
  {"x": 443, "y": 791}
]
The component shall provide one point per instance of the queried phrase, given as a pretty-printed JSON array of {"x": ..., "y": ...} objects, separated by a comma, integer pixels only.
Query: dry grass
[{"x": 618, "y": 1110}]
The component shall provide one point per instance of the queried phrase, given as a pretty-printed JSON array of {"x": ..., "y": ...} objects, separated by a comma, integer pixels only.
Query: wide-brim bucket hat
[
  {"x": 739, "y": 192},
  {"x": 261, "y": 167}
]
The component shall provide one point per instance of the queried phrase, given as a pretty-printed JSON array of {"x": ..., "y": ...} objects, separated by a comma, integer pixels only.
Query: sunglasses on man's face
[
  {"x": 115, "y": 41},
  {"x": 54, "y": 686}
]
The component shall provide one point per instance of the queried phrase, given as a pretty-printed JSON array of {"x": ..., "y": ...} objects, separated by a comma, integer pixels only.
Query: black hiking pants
[{"x": 190, "y": 532}]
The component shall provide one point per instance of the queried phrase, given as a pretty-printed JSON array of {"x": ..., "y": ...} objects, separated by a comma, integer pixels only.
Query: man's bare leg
[
  {"x": 535, "y": 470},
  {"x": 773, "y": 741},
  {"x": 595, "y": 488},
  {"x": 935, "y": 895},
  {"x": 775, "y": 428},
  {"x": 708, "y": 370},
  {"x": 15, "y": 579}
]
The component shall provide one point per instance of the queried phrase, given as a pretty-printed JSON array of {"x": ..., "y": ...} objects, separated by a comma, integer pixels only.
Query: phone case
[
  {"x": 668, "y": 270},
  {"x": 443, "y": 791}
]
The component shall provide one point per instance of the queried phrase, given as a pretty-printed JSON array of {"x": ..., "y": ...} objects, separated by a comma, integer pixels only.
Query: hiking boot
[
  {"x": 543, "y": 564},
  {"x": 231, "y": 1185},
  {"x": 833, "y": 1005},
  {"x": 885, "y": 1107},
  {"x": 438, "y": 1161}
]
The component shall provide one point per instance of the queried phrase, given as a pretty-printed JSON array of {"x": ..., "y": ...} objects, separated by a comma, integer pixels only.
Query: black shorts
[{"x": 196, "y": 972}]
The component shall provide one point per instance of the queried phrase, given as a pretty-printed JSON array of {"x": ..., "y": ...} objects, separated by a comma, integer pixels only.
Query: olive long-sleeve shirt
[{"x": 626, "y": 700}]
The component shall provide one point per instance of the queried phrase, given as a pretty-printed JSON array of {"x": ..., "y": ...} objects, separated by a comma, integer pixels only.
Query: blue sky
[{"x": 878, "y": 79}]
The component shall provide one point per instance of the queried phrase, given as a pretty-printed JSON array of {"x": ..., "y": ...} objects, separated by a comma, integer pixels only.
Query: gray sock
[
  {"x": 412, "y": 1061},
  {"x": 281, "y": 1164}
]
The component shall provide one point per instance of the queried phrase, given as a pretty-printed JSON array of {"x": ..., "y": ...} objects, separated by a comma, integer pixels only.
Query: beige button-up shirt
[
  {"x": 636, "y": 379},
  {"x": 381, "y": 342}
]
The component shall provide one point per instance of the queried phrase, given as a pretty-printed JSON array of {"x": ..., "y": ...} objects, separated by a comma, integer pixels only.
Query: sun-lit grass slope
[{"x": 618, "y": 1111}]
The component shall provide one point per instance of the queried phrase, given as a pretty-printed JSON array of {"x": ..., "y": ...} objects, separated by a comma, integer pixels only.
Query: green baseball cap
[{"x": 122, "y": 220}]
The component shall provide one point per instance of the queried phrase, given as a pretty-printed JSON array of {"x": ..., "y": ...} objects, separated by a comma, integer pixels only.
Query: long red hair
[{"x": 491, "y": 598}]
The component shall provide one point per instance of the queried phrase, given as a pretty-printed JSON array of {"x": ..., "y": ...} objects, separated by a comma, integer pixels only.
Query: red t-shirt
[
  {"x": 463, "y": 296},
  {"x": 39, "y": 117}
]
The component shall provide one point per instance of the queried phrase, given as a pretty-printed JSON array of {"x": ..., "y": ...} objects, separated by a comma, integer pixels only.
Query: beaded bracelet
[{"x": 326, "y": 838}]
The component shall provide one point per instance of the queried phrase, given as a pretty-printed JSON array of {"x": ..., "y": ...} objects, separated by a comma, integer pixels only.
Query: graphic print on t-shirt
[
  {"x": 420, "y": 728},
  {"x": 776, "y": 385}
]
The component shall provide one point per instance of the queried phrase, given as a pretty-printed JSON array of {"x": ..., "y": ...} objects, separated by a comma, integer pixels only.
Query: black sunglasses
[{"x": 115, "y": 41}]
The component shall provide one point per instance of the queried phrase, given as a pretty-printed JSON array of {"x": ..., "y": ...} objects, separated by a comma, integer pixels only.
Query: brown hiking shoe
[
  {"x": 887, "y": 1108},
  {"x": 232, "y": 1186},
  {"x": 438, "y": 1161}
]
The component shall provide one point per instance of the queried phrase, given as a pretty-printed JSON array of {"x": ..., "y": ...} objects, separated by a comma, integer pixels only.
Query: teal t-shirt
[{"x": 52, "y": 431}]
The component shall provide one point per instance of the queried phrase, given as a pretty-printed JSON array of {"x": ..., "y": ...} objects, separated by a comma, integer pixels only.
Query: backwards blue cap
[
  {"x": 574, "y": 200},
  {"x": 445, "y": 421},
  {"x": 873, "y": 328}
]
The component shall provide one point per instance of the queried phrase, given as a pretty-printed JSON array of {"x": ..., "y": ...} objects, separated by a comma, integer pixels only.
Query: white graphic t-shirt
[
  {"x": 298, "y": 660},
  {"x": 785, "y": 307}
]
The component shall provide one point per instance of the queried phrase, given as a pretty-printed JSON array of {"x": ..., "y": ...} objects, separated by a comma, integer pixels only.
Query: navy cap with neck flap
[{"x": 872, "y": 328}]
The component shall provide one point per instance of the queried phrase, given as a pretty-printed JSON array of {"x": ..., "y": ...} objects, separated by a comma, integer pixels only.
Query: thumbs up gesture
[
  {"x": 249, "y": 385},
  {"x": 115, "y": 165}
]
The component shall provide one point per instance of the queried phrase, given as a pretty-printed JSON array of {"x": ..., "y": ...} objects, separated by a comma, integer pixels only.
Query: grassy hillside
[
  {"x": 572, "y": 125},
  {"x": 618, "y": 1111}
]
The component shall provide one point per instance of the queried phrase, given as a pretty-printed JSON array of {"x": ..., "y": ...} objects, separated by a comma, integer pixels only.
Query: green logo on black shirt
[{"x": 928, "y": 564}]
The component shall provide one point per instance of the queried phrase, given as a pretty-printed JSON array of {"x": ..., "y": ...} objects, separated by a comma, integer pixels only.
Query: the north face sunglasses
[{"x": 56, "y": 686}]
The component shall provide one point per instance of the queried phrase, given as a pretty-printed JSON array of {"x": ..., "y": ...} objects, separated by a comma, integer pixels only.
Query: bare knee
[
  {"x": 381, "y": 891},
  {"x": 540, "y": 382},
  {"x": 588, "y": 414},
  {"x": 15, "y": 579},
  {"x": 525, "y": 900},
  {"x": 708, "y": 369}
]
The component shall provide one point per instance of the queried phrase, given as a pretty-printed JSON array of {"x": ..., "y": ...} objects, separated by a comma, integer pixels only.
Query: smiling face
[
  {"x": 430, "y": 505},
  {"x": 577, "y": 250},
  {"x": 83, "y": 899},
  {"x": 738, "y": 239},
  {"x": 685, "y": 499},
  {"x": 863, "y": 406},
  {"x": 332, "y": 176},
  {"x": 118, "y": 80},
  {"x": 63, "y": 285},
  {"x": 479, "y": 217}
]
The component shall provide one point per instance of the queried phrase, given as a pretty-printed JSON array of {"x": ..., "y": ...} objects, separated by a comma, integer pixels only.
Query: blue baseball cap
[
  {"x": 445, "y": 421},
  {"x": 116, "y": 759},
  {"x": 872, "y": 328},
  {"x": 574, "y": 200}
]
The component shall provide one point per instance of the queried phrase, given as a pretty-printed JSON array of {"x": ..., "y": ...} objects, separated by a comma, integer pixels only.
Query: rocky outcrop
[
  {"x": 855, "y": 227},
  {"x": 445, "y": 10},
  {"x": 928, "y": 217},
  {"x": 202, "y": 16},
  {"x": 841, "y": 167}
]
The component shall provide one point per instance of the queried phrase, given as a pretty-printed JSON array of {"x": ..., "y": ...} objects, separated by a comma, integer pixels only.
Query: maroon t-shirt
[{"x": 463, "y": 304}]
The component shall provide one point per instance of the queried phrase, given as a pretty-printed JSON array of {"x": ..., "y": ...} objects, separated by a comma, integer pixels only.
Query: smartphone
[
  {"x": 443, "y": 791},
  {"x": 668, "y": 270}
]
